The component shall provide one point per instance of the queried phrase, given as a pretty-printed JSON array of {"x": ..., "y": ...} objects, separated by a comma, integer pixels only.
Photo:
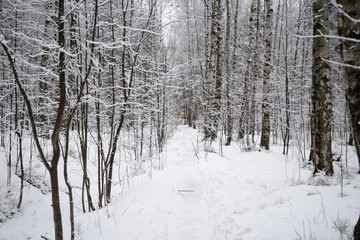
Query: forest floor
[{"x": 203, "y": 196}]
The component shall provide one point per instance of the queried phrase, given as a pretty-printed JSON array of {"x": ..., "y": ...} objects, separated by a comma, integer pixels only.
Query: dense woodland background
[{"x": 97, "y": 81}]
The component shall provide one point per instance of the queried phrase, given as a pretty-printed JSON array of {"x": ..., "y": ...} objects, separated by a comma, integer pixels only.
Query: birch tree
[
  {"x": 213, "y": 73},
  {"x": 265, "y": 132},
  {"x": 249, "y": 77},
  {"x": 228, "y": 77},
  {"x": 320, "y": 96}
]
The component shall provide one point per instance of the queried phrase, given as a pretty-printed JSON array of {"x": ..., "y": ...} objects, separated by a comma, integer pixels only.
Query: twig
[{"x": 185, "y": 191}]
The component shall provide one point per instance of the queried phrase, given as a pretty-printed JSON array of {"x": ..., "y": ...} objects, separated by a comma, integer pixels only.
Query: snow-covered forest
[{"x": 179, "y": 119}]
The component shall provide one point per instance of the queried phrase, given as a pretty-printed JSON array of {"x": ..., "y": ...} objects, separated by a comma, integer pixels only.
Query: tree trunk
[
  {"x": 9, "y": 159},
  {"x": 245, "y": 110},
  {"x": 265, "y": 132},
  {"x": 212, "y": 75},
  {"x": 219, "y": 62},
  {"x": 47, "y": 82},
  {"x": 66, "y": 178},
  {"x": 350, "y": 51},
  {"x": 111, "y": 157},
  {"x": 278, "y": 30},
  {"x": 191, "y": 99},
  {"x": 286, "y": 137},
  {"x": 21, "y": 168},
  {"x": 255, "y": 70},
  {"x": 55, "y": 140},
  {"x": 56, "y": 203},
  {"x": 228, "y": 82},
  {"x": 321, "y": 102},
  {"x": 357, "y": 230}
]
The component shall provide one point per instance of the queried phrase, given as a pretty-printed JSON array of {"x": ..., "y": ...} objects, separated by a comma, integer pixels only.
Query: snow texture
[{"x": 242, "y": 195}]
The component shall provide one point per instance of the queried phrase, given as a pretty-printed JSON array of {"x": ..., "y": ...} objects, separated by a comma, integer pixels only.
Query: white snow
[{"x": 242, "y": 195}]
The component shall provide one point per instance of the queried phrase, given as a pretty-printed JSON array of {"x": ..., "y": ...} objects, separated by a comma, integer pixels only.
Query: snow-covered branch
[
  {"x": 339, "y": 8},
  {"x": 326, "y": 36},
  {"x": 341, "y": 64}
]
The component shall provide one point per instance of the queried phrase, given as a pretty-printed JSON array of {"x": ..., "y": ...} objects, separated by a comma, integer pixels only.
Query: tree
[
  {"x": 349, "y": 28},
  {"x": 213, "y": 75},
  {"x": 357, "y": 230},
  {"x": 228, "y": 77},
  {"x": 265, "y": 132},
  {"x": 127, "y": 79},
  {"x": 52, "y": 167},
  {"x": 250, "y": 74},
  {"x": 321, "y": 103}
]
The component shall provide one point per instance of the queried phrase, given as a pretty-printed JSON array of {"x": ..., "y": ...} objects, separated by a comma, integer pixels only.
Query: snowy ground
[{"x": 242, "y": 195}]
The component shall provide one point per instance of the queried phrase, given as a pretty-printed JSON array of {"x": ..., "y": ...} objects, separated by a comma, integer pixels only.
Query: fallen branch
[
  {"x": 185, "y": 191},
  {"x": 44, "y": 189}
]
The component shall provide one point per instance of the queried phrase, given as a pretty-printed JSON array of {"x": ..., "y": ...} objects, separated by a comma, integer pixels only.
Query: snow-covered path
[
  {"x": 238, "y": 196},
  {"x": 242, "y": 195}
]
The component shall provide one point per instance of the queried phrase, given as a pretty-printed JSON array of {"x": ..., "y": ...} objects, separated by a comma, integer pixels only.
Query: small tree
[{"x": 50, "y": 164}]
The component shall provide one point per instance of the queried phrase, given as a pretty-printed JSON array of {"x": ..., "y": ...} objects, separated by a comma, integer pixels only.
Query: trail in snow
[
  {"x": 238, "y": 196},
  {"x": 242, "y": 195}
]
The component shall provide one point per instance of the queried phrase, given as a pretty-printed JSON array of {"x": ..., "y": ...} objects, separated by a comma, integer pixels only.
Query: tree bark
[
  {"x": 265, "y": 132},
  {"x": 66, "y": 178},
  {"x": 219, "y": 62},
  {"x": 56, "y": 202},
  {"x": 357, "y": 230},
  {"x": 350, "y": 51},
  {"x": 245, "y": 110},
  {"x": 21, "y": 167},
  {"x": 228, "y": 77},
  {"x": 212, "y": 73},
  {"x": 55, "y": 138},
  {"x": 321, "y": 102}
]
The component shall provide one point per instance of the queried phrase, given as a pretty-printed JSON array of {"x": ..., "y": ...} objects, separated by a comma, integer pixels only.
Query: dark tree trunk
[
  {"x": 357, "y": 230},
  {"x": 286, "y": 137},
  {"x": 21, "y": 169},
  {"x": 350, "y": 51},
  {"x": 67, "y": 182},
  {"x": 56, "y": 203},
  {"x": 111, "y": 158}
]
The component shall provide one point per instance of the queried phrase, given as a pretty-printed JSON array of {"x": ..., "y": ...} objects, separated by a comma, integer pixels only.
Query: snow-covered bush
[
  {"x": 342, "y": 225},
  {"x": 209, "y": 148},
  {"x": 321, "y": 179},
  {"x": 8, "y": 203}
]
